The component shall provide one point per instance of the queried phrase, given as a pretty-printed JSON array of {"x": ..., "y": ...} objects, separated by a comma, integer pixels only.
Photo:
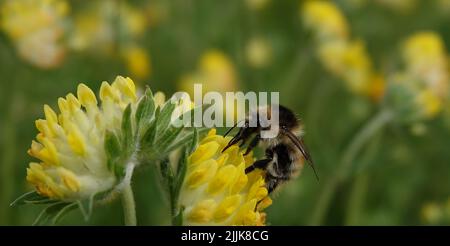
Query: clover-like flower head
[
  {"x": 216, "y": 190},
  {"x": 36, "y": 27},
  {"x": 325, "y": 19},
  {"x": 70, "y": 145},
  {"x": 421, "y": 90}
]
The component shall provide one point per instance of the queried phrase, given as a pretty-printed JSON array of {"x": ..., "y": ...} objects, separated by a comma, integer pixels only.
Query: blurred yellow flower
[
  {"x": 36, "y": 27},
  {"x": 425, "y": 77},
  {"x": 104, "y": 25},
  {"x": 325, "y": 19},
  {"x": 92, "y": 28},
  {"x": 256, "y": 4},
  {"x": 216, "y": 190},
  {"x": 350, "y": 62},
  {"x": 70, "y": 145},
  {"x": 215, "y": 72},
  {"x": 137, "y": 61},
  {"x": 345, "y": 58},
  {"x": 432, "y": 213},
  {"x": 425, "y": 56},
  {"x": 258, "y": 52},
  {"x": 107, "y": 27},
  {"x": 157, "y": 12}
]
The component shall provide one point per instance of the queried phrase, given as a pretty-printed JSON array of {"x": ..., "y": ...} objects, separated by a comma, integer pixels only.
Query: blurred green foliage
[{"x": 393, "y": 179}]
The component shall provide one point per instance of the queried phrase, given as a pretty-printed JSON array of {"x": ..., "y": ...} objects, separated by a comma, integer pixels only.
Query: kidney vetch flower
[{"x": 216, "y": 190}]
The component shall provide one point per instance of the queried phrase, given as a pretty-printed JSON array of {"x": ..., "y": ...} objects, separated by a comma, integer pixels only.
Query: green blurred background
[{"x": 402, "y": 177}]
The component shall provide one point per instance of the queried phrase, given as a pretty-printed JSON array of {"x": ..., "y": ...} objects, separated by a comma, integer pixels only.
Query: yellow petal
[
  {"x": 86, "y": 95},
  {"x": 246, "y": 214},
  {"x": 203, "y": 173},
  {"x": 204, "y": 152},
  {"x": 223, "y": 178},
  {"x": 227, "y": 207},
  {"x": 159, "y": 98},
  {"x": 72, "y": 102},
  {"x": 202, "y": 212},
  {"x": 108, "y": 93},
  {"x": 126, "y": 86},
  {"x": 69, "y": 179},
  {"x": 76, "y": 140}
]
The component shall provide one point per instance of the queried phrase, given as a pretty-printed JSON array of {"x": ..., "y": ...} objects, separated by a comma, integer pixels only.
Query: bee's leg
[
  {"x": 253, "y": 144},
  {"x": 271, "y": 186},
  {"x": 260, "y": 164}
]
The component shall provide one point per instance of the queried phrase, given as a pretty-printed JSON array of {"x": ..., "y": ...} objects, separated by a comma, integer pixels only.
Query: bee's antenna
[
  {"x": 229, "y": 130},
  {"x": 301, "y": 146}
]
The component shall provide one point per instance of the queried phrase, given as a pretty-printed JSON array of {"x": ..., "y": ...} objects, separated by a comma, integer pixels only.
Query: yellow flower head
[
  {"x": 137, "y": 61},
  {"x": 258, "y": 52},
  {"x": 94, "y": 29},
  {"x": 216, "y": 190},
  {"x": 36, "y": 27},
  {"x": 426, "y": 57},
  {"x": 257, "y": 4},
  {"x": 325, "y": 19},
  {"x": 70, "y": 145},
  {"x": 426, "y": 76},
  {"x": 432, "y": 213},
  {"x": 350, "y": 62},
  {"x": 215, "y": 72}
]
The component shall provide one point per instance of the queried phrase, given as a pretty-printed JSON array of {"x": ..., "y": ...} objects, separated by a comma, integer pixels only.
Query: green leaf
[
  {"x": 194, "y": 141},
  {"x": 190, "y": 115},
  {"x": 165, "y": 116},
  {"x": 32, "y": 197},
  {"x": 150, "y": 135},
  {"x": 177, "y": 220},
  {"x": 59, "y": 215},
  {"x": 49, "y": 212},
  {"x": 181, "y": 173},
  {"x": 112, "y": 149},
  {"x": 167, "y": 138},
  {"x": 127, "y": 129},
  {"x": 86, "y": 207},
  {"x": 185, "y": 139},
  {"x": 145, "y": 109}
]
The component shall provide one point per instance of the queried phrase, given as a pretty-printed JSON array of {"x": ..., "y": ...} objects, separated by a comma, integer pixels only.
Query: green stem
[
  {"x": 344, "y": 166},
  {"x": 129, "y": 208},
  {"x": 360, "y": 184},
  {"x": 357, "y": 196},
  {"x": 9, "y": 139}
]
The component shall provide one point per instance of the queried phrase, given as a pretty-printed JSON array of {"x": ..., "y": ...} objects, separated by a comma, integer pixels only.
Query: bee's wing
[{"x": 302, "y": 147}]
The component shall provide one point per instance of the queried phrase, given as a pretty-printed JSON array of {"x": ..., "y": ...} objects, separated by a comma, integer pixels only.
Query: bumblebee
[{"x": 285, "y": 154}]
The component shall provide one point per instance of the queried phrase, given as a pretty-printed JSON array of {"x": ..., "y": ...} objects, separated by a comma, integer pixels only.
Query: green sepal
[
  {"x": 86, "y": 206},
  {"x": 50, "y": 213},
  {"x": 32, "y": 197},
  {"x": 167, "y": 138},
  {"x": 177, "y": 220},
  {"x": 149, "y": 136},
  {"x": 112, "y": 149},
  {"x": 58, "y": 216},
  {"x": 186, "y": 138},
  {"x": 164, "y": 117},
  {"x": 181, "y": 173},
  {"x": 145, "y": 110},
  {"x": 127, "y": 130},
  {"x": 194, "y": 141}
]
